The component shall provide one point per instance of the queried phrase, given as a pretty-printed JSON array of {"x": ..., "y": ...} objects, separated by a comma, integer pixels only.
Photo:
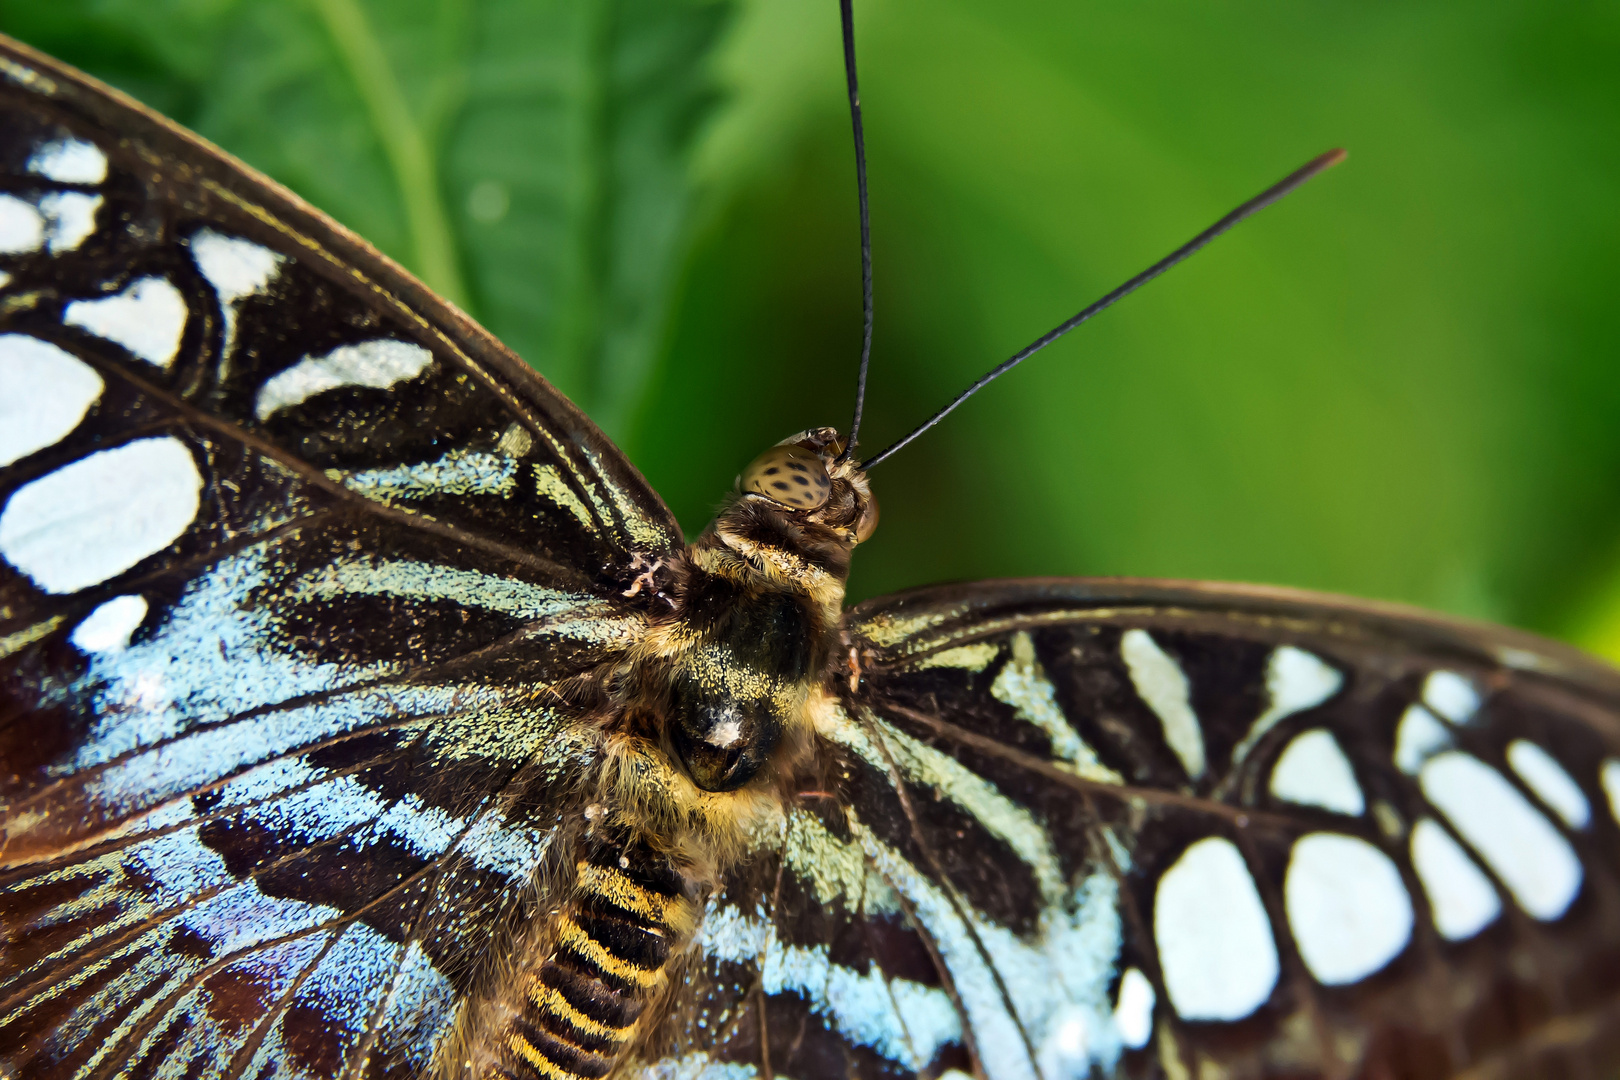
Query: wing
[
  {"x": 1130, "y": 829},
  {"x": 296, "y": 568}
]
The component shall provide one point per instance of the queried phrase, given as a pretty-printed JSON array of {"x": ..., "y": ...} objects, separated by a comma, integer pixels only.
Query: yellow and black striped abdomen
[{"x": 607, "y": 959}]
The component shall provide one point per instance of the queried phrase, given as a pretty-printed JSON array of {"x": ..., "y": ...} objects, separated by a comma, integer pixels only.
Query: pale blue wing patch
[
  {"x": 205, "y": 1032},
  {"x": 1023, "y": 684},
  {"x": 417, "y": 1011},
  {"x": 903, "y": 1021},
  {"x": 458, "y": 472},
  {"x": 1052, "y": 986},
  {"x": 934, "y": 770},
  {"x": 1057, "y": 979},
  {"x": 416, "y": 580},
  {"x": 698, "y": 1066},
  {"x": 208, "y": 695}
]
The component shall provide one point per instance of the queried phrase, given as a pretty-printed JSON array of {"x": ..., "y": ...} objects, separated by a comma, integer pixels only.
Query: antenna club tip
[{"x": 1332, "y": 157}]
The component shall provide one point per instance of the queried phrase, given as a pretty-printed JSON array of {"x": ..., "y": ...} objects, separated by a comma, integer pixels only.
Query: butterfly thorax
[{"x": 754, "y": 612}]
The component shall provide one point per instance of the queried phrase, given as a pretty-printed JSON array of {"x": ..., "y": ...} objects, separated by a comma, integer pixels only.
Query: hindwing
[
  {"x": 294, "y": 560},
  {"x": 1081, "y": 828}
]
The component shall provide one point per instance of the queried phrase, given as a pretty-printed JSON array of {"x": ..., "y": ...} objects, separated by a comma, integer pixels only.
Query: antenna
[
  {"x": 847, "y": 16},
  {"x": 1259, "y": 202}
]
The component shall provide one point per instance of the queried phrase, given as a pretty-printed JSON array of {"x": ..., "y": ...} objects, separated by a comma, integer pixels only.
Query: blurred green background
[{"x": 1401, "y": 383}]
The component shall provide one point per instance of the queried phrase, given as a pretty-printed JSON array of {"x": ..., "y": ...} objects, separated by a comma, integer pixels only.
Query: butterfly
[{"x": 366, "y": 714}]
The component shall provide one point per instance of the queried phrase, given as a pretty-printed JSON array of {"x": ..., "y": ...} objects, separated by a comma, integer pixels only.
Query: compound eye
[
  {"x": 867, "y": 523},
  {"x": 790, "y": 475}
]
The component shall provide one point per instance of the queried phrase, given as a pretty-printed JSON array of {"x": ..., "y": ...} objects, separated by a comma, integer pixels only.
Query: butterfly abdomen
[{"x": 597, "y": 968}]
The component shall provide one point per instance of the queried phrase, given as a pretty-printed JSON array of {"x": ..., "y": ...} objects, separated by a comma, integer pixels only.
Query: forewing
[
  {"x": 1150, "y": 830},
  {"x": 296, "y": 564}
]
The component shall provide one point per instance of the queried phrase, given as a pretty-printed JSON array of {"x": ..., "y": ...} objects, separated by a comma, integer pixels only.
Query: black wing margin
[
  {"x": 293, "y": 560},
  {"x": 1139, "y": 829}
]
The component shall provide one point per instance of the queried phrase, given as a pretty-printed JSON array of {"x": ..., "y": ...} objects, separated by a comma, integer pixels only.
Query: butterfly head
[{"x": 807, "y": 477}]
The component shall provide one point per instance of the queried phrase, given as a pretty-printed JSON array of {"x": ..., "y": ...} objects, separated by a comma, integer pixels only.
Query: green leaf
[{"x": 527, "y": 160}]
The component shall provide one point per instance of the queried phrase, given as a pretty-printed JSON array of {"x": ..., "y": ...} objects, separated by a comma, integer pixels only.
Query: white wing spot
[
  {"x": 1298, "y": 680},
  {"x": 1451, "y": 695},
  {"x": 22, "y": 228},
  {"x": 108, "y": 627},
  {"x": 1215, "y": 945},
  {"x": 69, "y": 161},
  {"x": 93, "y": 519},
  {"x": 1162, "y": 684},
  {"x": 1553, "y": 786},
  {"x": 44, "y": 394},
  {"x": 147, "y": 318},
  {"x": 379, "y": 364},
  {"x": 1611, "y": 786},
  {"x": 1418, "y": 738},
  {"x": 1133, "y": 1014},
  {"x": 237, "y": 269},
  {"x": 1347, "y": 907},
  {"x": 1521, "y": 846},
  {"x": 1313, "y": 771},
  {"x": 1462, "y": 900},
  {"x": 1295, "y": 681},
  {"x": 70, "y": 218}
]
